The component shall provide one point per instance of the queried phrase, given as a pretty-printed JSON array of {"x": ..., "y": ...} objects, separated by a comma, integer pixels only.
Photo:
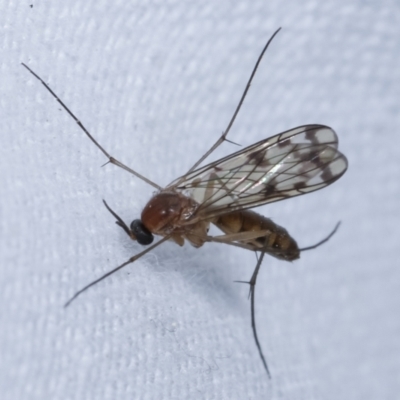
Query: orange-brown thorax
[
  {"x": 277, "y": 242},
  {"x": 167, "y": 213}
]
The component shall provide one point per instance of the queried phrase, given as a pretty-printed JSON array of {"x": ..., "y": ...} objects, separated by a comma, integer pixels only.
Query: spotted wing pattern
[{"x": 289, "y": 164}]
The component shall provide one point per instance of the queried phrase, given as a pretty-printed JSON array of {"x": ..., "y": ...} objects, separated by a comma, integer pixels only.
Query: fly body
[{"x": 292, "y": 163}]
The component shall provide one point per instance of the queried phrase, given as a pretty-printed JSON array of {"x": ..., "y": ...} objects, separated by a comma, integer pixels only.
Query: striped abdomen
[{"x": 276, "y": 241}]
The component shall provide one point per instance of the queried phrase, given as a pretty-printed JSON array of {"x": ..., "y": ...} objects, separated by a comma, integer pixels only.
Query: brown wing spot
[
  {"x": 327, "y": 175},
  {"x": 257, "y": 157},
  {"x": 299, "y": 185},
  {"x": 268, "y": 190},
  {"x": 311, "y": 135},
  {"x": 265, "y": 163},
  {"x": 316, "y": 159},
  {"x": 284, "y": 143}
]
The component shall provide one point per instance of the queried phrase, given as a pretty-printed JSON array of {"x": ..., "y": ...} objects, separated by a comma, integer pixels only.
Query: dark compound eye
[{"x": 143, "y": 235}]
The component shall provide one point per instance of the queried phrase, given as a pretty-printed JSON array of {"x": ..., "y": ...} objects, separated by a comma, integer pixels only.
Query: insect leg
[
  {"x": 252, "y": 284},
  {"x": 228, "y": 239},
  {"x": 253, "y": 318},
  {"x": 323, "y": 240},
  {"x": 131, "y": 260},
  {"x": 225, "y": 133},
  {"x": 111, "y": 159}
]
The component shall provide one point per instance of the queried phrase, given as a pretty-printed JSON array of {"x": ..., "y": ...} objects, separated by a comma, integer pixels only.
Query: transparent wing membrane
[{"x": 295, "y": 162}]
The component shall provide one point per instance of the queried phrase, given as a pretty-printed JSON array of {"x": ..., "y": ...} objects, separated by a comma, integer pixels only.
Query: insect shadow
[{"x": 292, "y": 163}]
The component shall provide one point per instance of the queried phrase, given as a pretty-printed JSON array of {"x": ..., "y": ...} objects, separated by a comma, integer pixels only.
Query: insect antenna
[
  {"x": 323, "y": 240},
  {"x": 228, "y": 128},
  {"x": 131, "y": 260},
  {"x": 119, "y": 221},
  {"x": 111, "y": 159}
]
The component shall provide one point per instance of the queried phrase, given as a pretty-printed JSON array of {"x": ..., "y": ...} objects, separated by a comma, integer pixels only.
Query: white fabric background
[{"x": 156, "y": 83}]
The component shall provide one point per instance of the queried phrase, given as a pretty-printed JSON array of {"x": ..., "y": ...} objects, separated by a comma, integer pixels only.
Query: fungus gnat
[{"x": 292, "y": 163}]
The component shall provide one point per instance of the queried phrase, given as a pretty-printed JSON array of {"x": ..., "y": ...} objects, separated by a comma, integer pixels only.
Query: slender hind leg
[
  {"x": 228, "y": 128},
  {"x": 131, "y": 260},
  {"x": 252, "y": 284},
  {"x": 111, "y": 159}
]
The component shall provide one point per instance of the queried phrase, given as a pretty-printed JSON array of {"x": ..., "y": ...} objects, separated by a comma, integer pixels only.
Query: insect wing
[{"x": 289, "y": 164}]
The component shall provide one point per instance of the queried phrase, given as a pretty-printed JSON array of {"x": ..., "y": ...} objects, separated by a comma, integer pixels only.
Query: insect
[{"x": 292, "y": 163}]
